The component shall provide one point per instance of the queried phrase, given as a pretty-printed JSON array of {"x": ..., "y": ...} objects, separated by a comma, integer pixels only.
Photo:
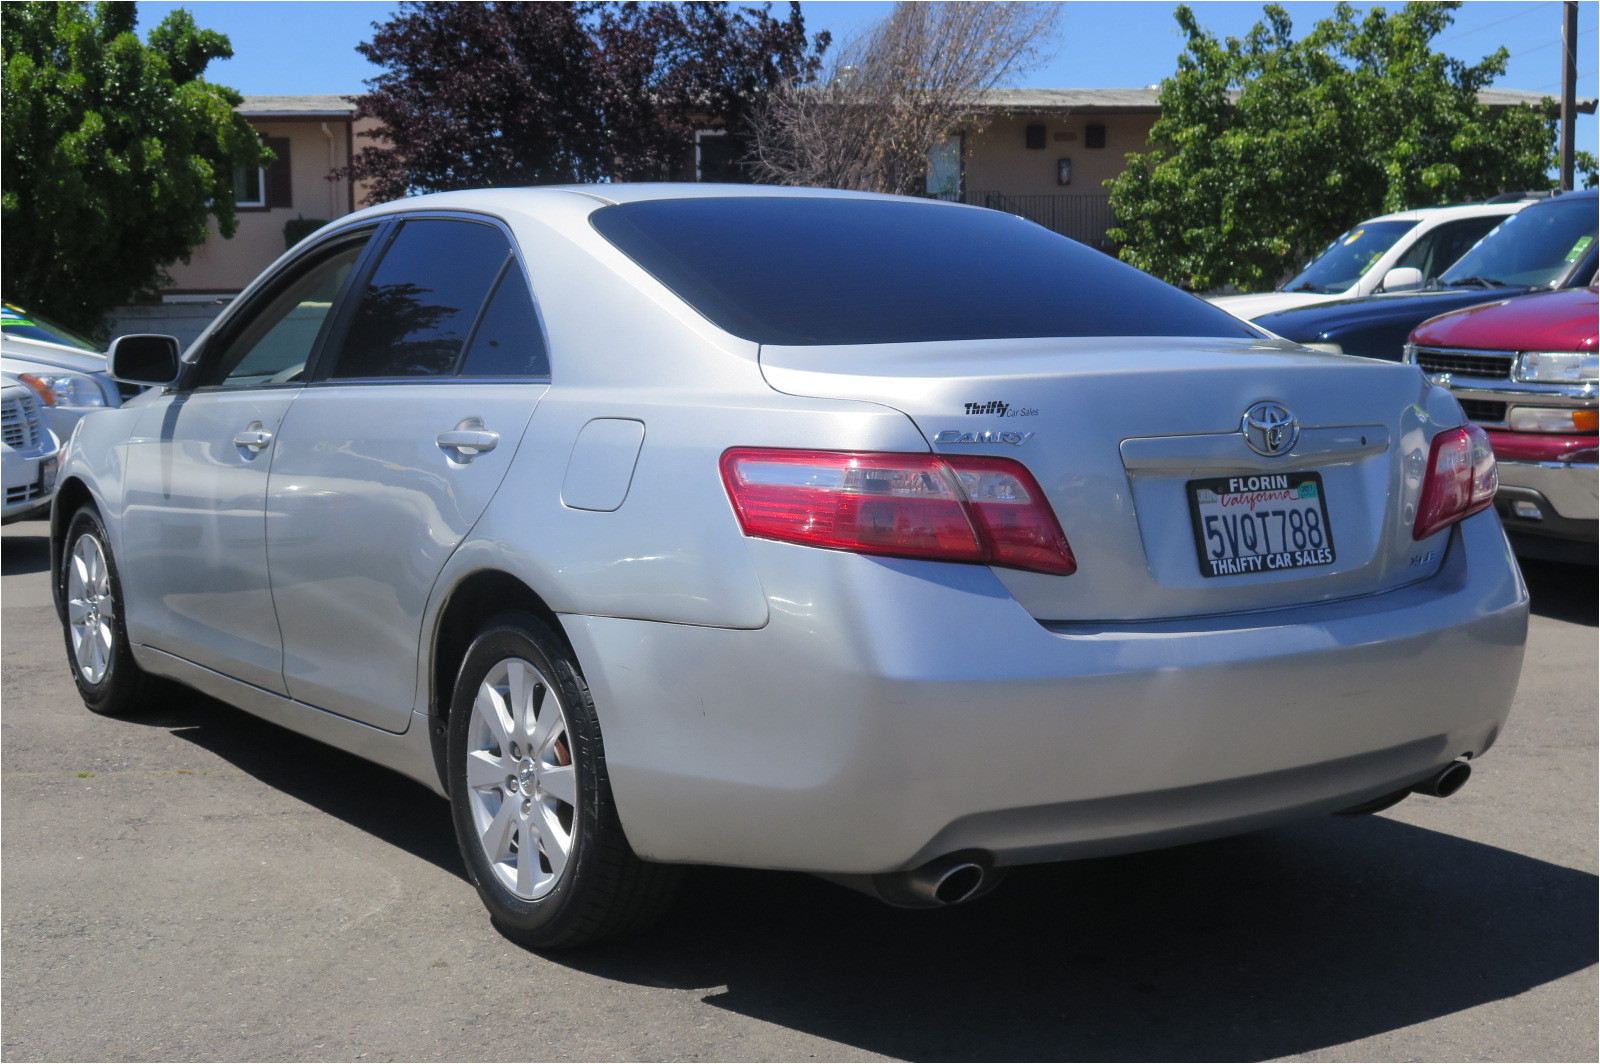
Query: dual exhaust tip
[{"x": 969, "y": 874}]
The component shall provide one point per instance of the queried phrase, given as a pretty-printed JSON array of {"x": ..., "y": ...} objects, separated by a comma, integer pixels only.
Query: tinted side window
[
  {"x": 508, "y": 342},
  {"x": 1438, "y": 250},
  {"x": 272, "y": 338},
  {"x": 417, "y": 311}
]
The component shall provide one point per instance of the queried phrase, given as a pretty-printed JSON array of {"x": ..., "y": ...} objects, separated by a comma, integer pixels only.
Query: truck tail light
[
  {"x": 1461, "y": 480},
  {"x": 984, "y": 510}
]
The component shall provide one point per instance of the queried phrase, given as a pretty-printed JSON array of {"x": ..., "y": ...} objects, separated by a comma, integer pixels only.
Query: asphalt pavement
[{"x": 205, "y": 886}]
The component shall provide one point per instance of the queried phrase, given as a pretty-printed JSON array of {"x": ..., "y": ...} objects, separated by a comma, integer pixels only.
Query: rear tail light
[
  {"x": 959, "y": 509},
  {"x": 1461, "y": 480}
]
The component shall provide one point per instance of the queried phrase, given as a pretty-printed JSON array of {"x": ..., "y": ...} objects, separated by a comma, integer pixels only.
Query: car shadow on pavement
[
  {"x": 1273, "y": 944},
  {"x": 24, "y": 554},
  {"x": 1268, "y": 945},
  {"x": 411, "y": 817},
  {"x": 1562, "y": 591}
]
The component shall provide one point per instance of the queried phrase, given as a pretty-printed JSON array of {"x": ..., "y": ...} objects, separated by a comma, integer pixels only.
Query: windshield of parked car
[
  {"x": 14, "y": 321},
  {"x": 816, "y": 270},
  {"x": 1532, "y": 249},
  {"x": 1342, "y": 262}
]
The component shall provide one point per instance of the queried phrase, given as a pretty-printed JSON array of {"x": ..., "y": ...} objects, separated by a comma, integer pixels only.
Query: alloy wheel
[
  {"x": 91, "y": 609},
  {"x": 522, "y": 787}
]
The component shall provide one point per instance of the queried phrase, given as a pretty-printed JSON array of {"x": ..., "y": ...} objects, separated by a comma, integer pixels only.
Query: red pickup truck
[{"x": 1527, "y": 371}]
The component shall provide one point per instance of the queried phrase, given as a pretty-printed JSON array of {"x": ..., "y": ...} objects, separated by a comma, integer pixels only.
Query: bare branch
[{"x": 891, "y": 96}]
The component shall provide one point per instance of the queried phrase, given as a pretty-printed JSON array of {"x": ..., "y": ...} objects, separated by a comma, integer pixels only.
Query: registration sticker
[{"x": 1259, "y": 524}]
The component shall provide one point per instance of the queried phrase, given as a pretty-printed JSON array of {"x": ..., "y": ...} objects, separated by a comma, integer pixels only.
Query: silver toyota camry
[{"x": 890, "y": 540}]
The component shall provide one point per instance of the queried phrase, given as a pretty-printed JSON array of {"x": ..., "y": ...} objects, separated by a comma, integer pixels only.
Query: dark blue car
[{"x": 1551, "y": 244}]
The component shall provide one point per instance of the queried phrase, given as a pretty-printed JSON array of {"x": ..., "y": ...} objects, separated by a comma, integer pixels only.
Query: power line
[
  {"x": 1507, "y": 18},
  {"x": 1557, "y": 84},
  {"x": 1542, "y": 47}
]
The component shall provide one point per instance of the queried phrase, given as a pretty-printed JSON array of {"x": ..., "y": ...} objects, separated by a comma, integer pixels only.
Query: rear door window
[
  {"x": 418, "y": 311},
  {"x": 1438, "y": 249},
  {"x": 508, "y": 342}
]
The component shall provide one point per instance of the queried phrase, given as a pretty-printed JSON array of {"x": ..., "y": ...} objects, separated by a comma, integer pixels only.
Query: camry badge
[
  {"x": 1270, "y": 429},
  {"x": 1016, "y": 439}
]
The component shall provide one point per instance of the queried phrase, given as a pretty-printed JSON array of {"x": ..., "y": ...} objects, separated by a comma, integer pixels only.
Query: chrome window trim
[{"x": 335, "y": 382}]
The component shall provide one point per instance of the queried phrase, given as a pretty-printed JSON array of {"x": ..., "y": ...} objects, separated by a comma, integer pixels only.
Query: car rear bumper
[{"x": 893, "y": 711}]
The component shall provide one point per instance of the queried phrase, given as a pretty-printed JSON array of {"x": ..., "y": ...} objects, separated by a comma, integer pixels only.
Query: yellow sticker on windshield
[
  {"x": 1579, "y": 248},
  {"x": 1355, "y": 234}
]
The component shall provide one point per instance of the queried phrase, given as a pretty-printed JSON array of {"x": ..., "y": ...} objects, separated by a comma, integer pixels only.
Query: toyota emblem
[{"x": 1270, "y": 429}]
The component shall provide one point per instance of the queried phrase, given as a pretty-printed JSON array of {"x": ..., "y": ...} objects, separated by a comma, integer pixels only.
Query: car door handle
[
  {"x": 469, "y": 441},
  {"x": 253, "y": 439}
]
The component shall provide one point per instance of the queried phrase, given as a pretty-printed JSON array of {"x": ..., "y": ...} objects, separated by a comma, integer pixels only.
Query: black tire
[
  {"x": 531, "y": 801},
  {"x": 110, "y": 682}
]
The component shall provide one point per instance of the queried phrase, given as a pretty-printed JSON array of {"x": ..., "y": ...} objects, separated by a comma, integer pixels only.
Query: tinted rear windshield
[{"x": 806, "y": 271}]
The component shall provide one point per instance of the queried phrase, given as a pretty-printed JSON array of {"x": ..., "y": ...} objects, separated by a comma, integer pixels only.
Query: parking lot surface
[{"x": 206, "y": 886}]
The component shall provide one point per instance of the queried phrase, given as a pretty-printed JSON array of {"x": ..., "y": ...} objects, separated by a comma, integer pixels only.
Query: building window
[
  {"x": 717, "y": 157},
  {"x": 265, "y": 187},
  {"x": 944, "y": 169},
  {"x": 1094, "y": 135},
  {"x": 249, "y": 186}
]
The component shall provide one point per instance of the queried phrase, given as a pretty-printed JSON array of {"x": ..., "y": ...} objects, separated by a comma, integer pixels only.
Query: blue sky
[{"x": 308, "y": 46}]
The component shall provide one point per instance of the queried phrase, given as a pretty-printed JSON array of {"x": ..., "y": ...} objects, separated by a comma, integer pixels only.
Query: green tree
[
  {"x": 1268, "y": 147},
  {"x": 113, "y": 154}
]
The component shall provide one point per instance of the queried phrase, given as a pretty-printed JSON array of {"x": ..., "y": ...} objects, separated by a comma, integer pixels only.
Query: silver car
[
  {"x": 67, "y": 372},
  {"x": 890, "y": 540}
]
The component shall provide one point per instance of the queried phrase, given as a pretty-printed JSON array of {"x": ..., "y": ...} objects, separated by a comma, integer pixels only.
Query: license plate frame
[{"x": 1260, "y": 523}]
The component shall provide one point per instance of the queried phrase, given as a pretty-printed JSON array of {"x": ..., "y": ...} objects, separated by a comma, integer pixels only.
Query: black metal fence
[{"x": 1084, "y": 218}]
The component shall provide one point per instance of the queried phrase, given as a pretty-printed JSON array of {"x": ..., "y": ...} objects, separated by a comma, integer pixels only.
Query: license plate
[{"x": 1260, "y": 524}]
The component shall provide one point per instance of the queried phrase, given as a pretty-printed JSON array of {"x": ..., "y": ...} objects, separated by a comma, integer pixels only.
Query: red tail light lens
[
  {"x": 984, "y": 510},
  {"x": 1461, "y": 480}
]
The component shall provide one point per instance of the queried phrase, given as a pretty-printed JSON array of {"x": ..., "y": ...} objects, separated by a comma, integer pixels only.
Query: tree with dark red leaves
[{"x": 510, "y": 93}]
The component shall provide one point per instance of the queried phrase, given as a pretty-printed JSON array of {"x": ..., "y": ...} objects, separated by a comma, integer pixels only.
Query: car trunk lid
[{"x": 1127, "y": 435}]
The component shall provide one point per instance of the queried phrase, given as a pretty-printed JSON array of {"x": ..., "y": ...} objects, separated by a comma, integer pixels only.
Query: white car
[
  {"x": 1396, "y": 252},
  {"x": 30, "y": 453},
  {"x": 892, "y": 540},
  {"x": 66, "y": 371}
]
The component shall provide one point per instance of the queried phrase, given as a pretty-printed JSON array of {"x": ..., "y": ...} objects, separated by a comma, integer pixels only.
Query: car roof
[
  {"x": 1438, "y": 215},
  {"x": 542, "y": 199}
]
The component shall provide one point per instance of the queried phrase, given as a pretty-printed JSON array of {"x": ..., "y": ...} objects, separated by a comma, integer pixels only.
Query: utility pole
[{"x": 1569, "y": 88}]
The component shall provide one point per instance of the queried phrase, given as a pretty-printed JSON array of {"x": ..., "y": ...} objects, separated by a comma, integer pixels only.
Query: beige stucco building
[
  {"x": 311, "y": 136},
  {"x": 1041, "y": 153}
]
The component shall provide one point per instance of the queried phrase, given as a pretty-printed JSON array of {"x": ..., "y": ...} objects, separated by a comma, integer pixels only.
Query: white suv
[{"x": 1392, "y": 253}]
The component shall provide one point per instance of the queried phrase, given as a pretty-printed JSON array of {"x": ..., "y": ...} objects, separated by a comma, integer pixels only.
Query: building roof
[
  {"x": 297, "y": 106},
  {"x": 1146, "y": 100},
  {"x": 1078, "y": 101}
]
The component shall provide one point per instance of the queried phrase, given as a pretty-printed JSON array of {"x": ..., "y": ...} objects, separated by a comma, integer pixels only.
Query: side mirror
[
  {"x": 144, "y": 358},
  {"x": 1401, "y": 279}
]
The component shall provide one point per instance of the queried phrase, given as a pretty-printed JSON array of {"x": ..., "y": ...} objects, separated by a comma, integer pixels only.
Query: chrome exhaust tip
[
  {"x": 947, "y": 880},
  {"x": 1444, "y": 781}
]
